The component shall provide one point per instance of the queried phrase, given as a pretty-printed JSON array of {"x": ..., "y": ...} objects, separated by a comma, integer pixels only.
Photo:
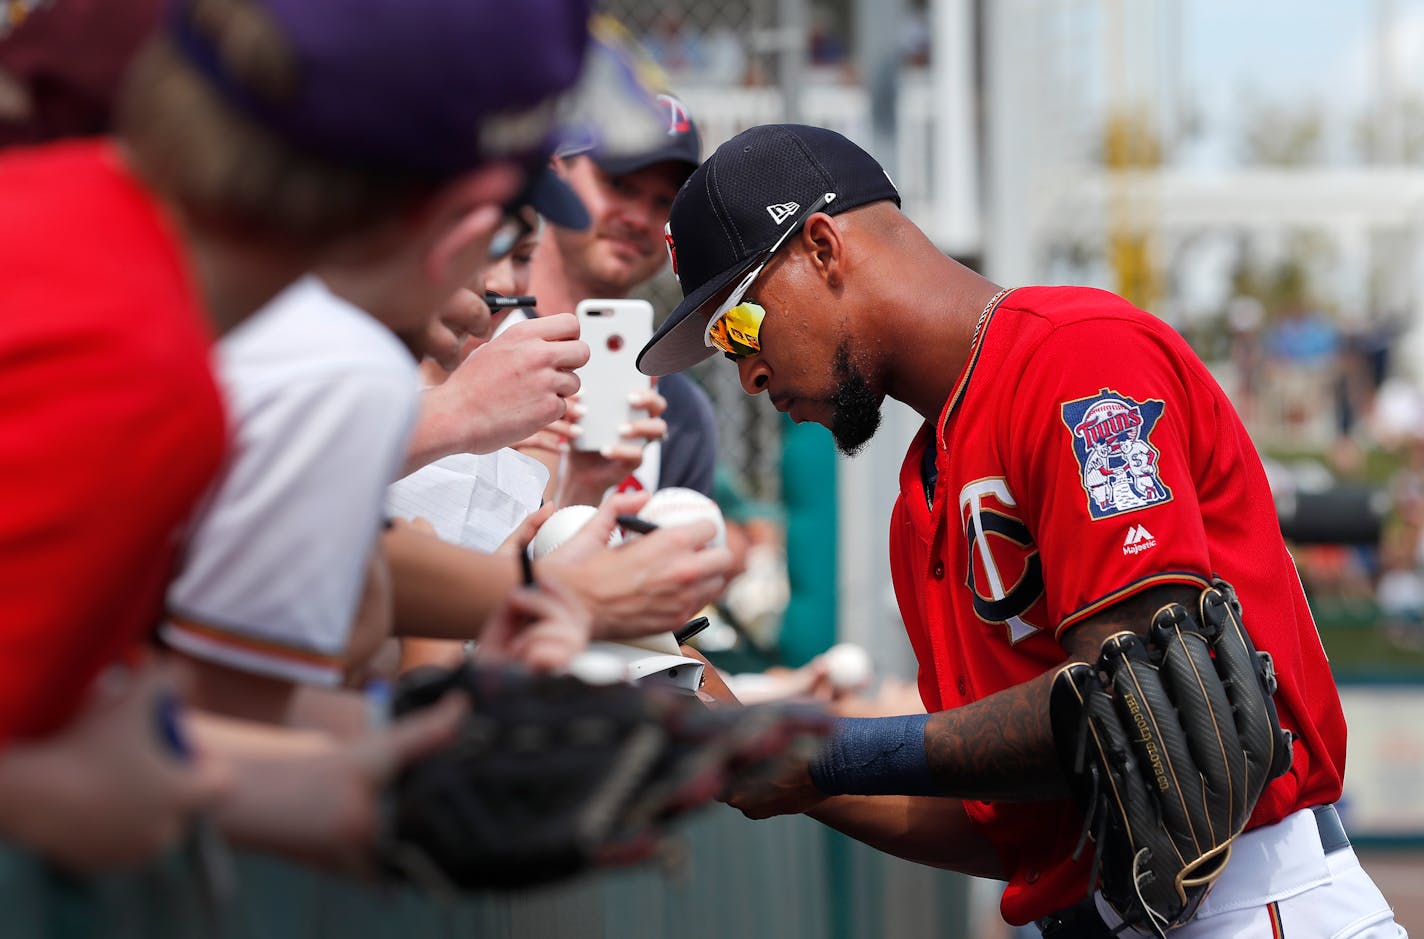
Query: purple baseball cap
[{"x": 413, "y": 86}]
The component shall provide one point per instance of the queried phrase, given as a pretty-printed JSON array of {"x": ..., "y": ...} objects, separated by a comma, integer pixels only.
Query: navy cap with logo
[
  {"x": 681, "y": 144},
  {"x": 736, "y": 206},
  {"x": 420, "y": 86}
]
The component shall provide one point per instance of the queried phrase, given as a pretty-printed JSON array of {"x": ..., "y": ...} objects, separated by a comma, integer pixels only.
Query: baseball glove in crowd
[{"x": 551, "y": 776}]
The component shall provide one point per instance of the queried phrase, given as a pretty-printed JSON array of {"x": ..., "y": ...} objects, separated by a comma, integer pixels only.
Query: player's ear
[{"x": 825, "y": 246}]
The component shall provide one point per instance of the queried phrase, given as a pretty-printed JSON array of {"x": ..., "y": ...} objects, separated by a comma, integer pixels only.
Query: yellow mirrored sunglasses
[
  {"x": 735, "y": 327},
  {"x": 737, "y": 332}
]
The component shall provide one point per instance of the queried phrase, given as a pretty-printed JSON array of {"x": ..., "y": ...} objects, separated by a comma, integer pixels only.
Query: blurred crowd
[
  {"x": 1340, "y": 419},
  {"x": 290, "y": 388}
]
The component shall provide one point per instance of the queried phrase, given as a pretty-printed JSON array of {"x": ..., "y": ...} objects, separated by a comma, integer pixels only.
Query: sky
[{"x": 1293, "y": 52}]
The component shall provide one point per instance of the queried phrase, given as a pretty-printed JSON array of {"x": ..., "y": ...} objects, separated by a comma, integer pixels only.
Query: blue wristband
[{"x": 875, "y": 756}]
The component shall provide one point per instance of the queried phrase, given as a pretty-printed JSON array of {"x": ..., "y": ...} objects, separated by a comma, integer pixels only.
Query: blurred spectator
[
  {"x": 673, "y": 45},
  {"x": 61, "y": 64},
  {"x": 717, "y": 55},
  {"x": 1244, "y": 318}
]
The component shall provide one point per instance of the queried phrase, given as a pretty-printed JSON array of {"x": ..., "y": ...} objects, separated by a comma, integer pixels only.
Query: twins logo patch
[{"x": 1118, "y": 465}]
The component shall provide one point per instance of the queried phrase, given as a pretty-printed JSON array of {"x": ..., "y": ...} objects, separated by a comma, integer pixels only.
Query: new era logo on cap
[
  {"x": 742, "y": 202},
  {"x": 781, "y": 211}
]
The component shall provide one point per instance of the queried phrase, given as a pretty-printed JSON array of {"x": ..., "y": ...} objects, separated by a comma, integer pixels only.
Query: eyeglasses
[
  {"x": 736, "y": 326},
  {"x": 512, "y": 230}
]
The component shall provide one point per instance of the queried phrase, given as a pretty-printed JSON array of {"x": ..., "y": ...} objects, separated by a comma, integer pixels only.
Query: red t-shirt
[
  {"x": 113, "y": 426},
  {"x": 1085, "y": 455}
]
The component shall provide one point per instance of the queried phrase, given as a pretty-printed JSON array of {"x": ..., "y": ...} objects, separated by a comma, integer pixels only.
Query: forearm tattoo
[{"x": 1001, "y": 747}]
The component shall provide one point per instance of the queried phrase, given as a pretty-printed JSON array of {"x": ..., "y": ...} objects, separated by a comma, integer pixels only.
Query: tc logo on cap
[
  {"x": 678, "y": 120},
  {"x": 672, "y": 249}
]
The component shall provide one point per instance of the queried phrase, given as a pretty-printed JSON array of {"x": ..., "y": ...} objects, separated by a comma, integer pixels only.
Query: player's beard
[{"x": 855, "y": 405}]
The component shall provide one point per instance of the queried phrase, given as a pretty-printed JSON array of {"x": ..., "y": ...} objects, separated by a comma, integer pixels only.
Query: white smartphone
[{"x": 616, "y": 331}]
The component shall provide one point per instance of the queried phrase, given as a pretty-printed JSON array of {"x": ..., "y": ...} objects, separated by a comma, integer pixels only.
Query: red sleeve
[
  {"x": 1103, "y": 452},
  {"x": 112, "y": 433}
]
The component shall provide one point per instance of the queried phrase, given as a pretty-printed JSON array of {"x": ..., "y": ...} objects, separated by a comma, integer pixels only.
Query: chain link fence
[
  {"x": 711, "y": 49},
  {"x": 738, "y": 63}
]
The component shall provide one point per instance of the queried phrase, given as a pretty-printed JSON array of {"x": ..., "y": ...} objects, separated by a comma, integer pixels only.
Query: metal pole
[{"x": 792, "y": 28}]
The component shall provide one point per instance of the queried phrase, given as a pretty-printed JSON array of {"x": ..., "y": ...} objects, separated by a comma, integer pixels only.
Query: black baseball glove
[
  {"x": 551, "y": 776},
  {"x": 1168, "y": 744}
]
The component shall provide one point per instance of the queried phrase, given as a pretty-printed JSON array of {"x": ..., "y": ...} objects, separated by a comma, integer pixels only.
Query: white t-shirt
[{"x": 322, "y": 399}]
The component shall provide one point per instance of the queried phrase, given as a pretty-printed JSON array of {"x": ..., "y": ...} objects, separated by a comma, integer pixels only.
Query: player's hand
[
  {"x": 508, "y": 388},
  {"x": 783, "y": 789},
  {"x": 651, "y": 585},
  {"x": 588, "y": 474},
  {"x": 113, "y": 787}
]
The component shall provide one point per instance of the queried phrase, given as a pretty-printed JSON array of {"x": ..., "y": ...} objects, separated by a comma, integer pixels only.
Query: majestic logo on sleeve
[
  {"x": 1111, "y": 439},
  {"x": 1005, "y": 572}
]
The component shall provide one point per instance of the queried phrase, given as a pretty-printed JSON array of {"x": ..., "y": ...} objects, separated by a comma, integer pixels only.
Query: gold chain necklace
[{"x": 984, "y": 317}]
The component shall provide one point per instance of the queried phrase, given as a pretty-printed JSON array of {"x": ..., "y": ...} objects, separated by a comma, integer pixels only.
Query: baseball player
[{"x": 796, "y": 263}]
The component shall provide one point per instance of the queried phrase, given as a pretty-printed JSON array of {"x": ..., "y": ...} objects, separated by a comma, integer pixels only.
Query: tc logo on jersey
[
  {"x": 1111, "y": 439},
  {"x": 1005, "y": 573}
]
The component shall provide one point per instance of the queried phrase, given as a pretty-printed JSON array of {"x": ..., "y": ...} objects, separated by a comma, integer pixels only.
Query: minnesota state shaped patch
[{"x": 1111, "y": 436}]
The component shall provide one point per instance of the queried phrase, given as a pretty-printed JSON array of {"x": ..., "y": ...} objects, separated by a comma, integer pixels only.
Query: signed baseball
[
  {"x": 848, "y": 666},
  {"x": 561, "y": 526},
  {"x": 679, "y": 506}
]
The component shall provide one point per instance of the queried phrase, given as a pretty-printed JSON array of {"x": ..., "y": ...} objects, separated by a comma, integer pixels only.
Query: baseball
[
  {"x": 561, "y": 526},
  {"x": 678, "y": 506},
  {"x": 848, "y": 666}
]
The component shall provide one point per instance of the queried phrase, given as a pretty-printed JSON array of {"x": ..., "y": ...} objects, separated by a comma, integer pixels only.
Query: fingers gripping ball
[
  {"x": 563, "y": 525},
  {"x": 678, "y": 506},
  {"x": 1168, "y": 744}
]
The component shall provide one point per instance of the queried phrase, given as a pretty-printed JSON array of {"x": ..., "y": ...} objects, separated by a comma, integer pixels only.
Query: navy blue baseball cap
[
  {"x": 556, "y": 200},
  {"x": 680, "y": 144},
  {"x": 425, "y": 87},
  {"x": 735, "y": 207}
]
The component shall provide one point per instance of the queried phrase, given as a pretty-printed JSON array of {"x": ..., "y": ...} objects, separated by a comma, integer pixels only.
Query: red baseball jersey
[
  {"x": 1087, "y": 454},
  {"x": 113, "y": 426}
]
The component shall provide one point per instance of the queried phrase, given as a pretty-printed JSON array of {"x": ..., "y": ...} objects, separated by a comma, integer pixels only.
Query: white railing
[{"x": 724, "y": 111}]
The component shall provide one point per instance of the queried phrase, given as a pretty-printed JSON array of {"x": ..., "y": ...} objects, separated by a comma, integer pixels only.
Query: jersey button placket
[{"x": 938, "y": 570}]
